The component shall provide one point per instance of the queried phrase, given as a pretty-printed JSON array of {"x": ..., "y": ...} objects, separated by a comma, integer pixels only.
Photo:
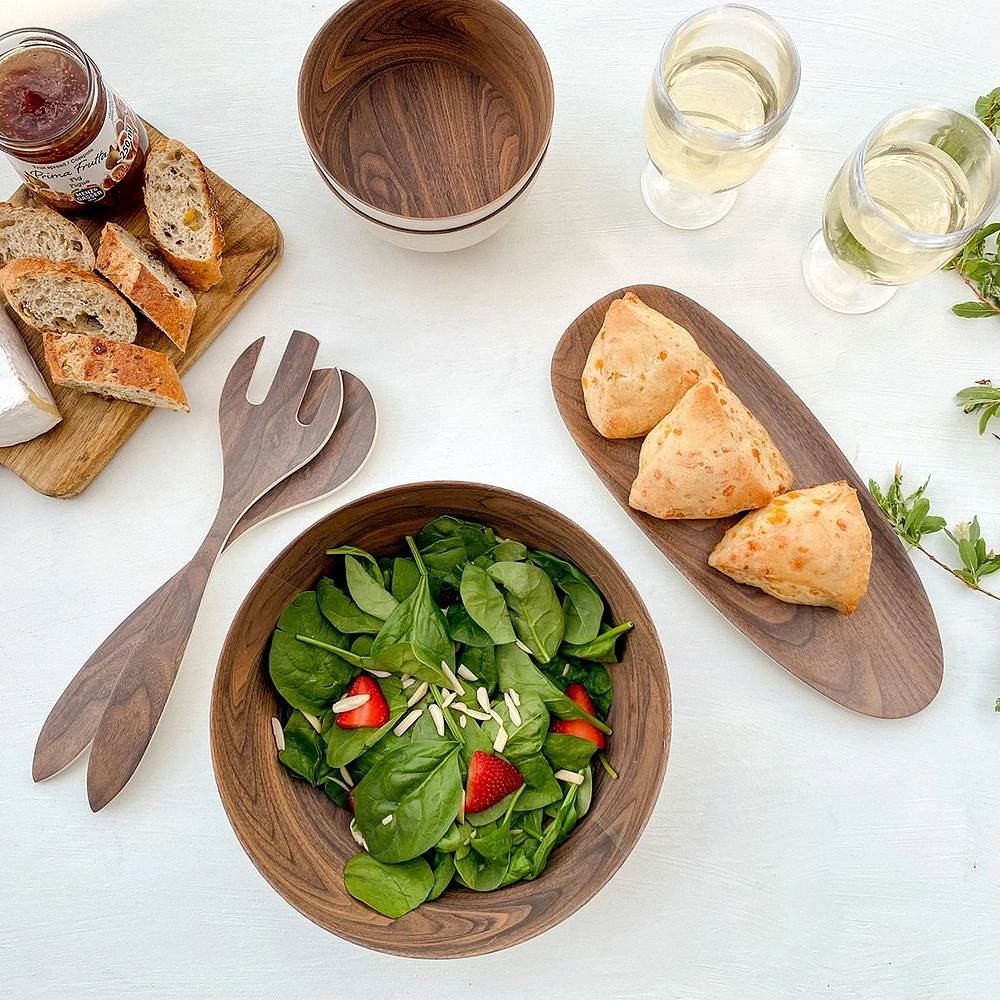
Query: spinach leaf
[
  {"x": 451, "y": 841},
  {"x": 475, "y": 538},
  {"x": 345, "y": 745},
  {"x": 337, "y": 793},
  {"x": 353, "y": 550},
  {"x": 444, "y": 561},
  {"x": 586, "y": 794},
  {"x": 443, "y": 867},
  {"x": 540, "y": 784},
  {"x": 526, "y": 739},
  {"x": 391, "y": 889},
  {"x": 485, "y": 604},
  {"x": 564, "y": 750},
  {"x": 307, "y": 677},
  {"x": 478, "y": 873},
  {"x": 530, "y": 823},
  {"x": 534, "y": 608},
  {"x": 420, "y": 786},
  {"x": 555, "y": 833},
  {"x": 414, "y": 639},
  {"x": 482, "y": 663},
  {"x": 462, "y": 628},
  {"x": 385, "y": 746},
  {"x": 303, "y": 753},
  {"x": 594, "y": 677},
  {"x": 521, "y": 862},
  {"x": 517, "y": 671},
  {"x": 508, "y": 551},
  {"x": 491, "y": 815},
  {"x": 342, "y": 611},
  {"x": 473, "y": 739},
  {"x": 362, "y": 645},
  {"x": 368, "y": 593},
  {"x": 602, "y": 649},
  {"x": 405, "y": 577},
  {"x": 583, "y": 605}
]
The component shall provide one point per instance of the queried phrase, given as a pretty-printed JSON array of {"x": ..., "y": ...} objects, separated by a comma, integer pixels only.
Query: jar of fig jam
[{"x": 75, "y": 142}]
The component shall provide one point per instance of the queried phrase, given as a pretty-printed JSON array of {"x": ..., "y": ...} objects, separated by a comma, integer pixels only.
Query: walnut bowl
[{"x": 299, "y": 839}]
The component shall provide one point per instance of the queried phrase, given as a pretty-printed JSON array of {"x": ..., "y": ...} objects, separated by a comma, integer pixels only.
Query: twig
[
  {"x": 975, "y": 290},
  {"x": 954, "y": 572}
]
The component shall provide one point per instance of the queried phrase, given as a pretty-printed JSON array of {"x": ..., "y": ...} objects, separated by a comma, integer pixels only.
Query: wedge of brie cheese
[{"x": 27, "y": 408}]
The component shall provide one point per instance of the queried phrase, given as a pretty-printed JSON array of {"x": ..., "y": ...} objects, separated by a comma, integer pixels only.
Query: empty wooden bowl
[
  {"x": 426, "y": 114},
  {"x": 299, "y": 840}
]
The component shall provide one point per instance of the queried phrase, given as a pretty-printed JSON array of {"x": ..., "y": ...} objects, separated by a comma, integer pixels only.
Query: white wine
[
  {"x": 717, "y": 90},
  {"x": 917, "y": 187}
]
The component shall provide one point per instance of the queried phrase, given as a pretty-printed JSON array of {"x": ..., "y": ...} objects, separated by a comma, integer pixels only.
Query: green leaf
[
  {"x": 345, "y": 745},
  {"x": 535, "y": 610},
  {"x": 540, "y": 784},
  {"x": 583, "y": 606},
  {"x": 405, "y": 577},
  {"x": 353, "y": 550},
  {"x": 390, "y": 889},
  {"x": 485, "y": 605},
  {"x": 973, "y": 310},
  {"x": 342, "y": 611},
  {"x": 304, "y": 750},
  {"x": 463, "y": 629},
  {"x": 420, "y": 786},
  {"x": 565, "y": 751},
  {"x": 526, "y": 739},
  {"x": 368, "y": 593},
  {"x": 602, "y": 649},
  {"x": 443, "y": 866},
  {"x": 508, "y": 551},
  {"x": 589, "y": 674},
  {"x": 482, "y": 663}
]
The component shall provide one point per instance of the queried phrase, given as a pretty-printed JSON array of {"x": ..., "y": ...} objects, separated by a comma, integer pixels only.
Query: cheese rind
[{"x": 27, "y": 408}]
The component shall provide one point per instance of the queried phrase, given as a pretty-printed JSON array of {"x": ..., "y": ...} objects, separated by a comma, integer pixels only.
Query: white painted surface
[{"x": 797, "y": 849}]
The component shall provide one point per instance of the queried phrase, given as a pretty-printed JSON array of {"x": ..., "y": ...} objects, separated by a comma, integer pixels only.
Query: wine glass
[
  {"x": 721, "y": 93},
  {"x": 905, "y": 202}
]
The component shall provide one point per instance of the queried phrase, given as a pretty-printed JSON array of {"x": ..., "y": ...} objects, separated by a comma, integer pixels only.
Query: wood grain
[
  {"x": 299, "y": 840},
  {"x": 63, "y": 462},
  {"x": 885, "y": 660},
  {"x": 426, "y": 109},
  {"x": 262, "y": 444},
  {"x": 72, "y": 722}
]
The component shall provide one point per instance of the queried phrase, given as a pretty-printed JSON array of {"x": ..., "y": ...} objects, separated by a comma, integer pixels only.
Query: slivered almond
[
  {"x": 417, "y": 695},
  {"x": 448, "y": 699},
  {"x": 501, "y": 741},
  {"x": 464, "y": 671},
  {"x": 408, "y": 721},
  {"x": 462, "y": 721},
  {"x": 438, "y": 717},
  {"x": 356, "y": 834},
  {"x": 339, "y": 783},
  {"x": 515, "y": 715},
  {"x": 483, "y": 698},
  {"x": 515, "y": 697},
  {"x": 313, "y": 721},
  {"x": 347, "y": 704},
  {"x": 379, "y": 673},
  {"x": 452, "y": 679},
  {"x": 571, "y": 776},
  {"x": 279, "y": 734},
  {"x": 406, "y": 681},
  {"x": 386, "y": 820},
  {"x": 565, "y": 670},
  {"x": 346, "y": 775},
  {"x": 521, "y": 645}
]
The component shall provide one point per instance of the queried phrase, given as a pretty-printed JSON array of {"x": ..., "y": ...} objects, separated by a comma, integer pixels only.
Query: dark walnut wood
[
  {"x": 73, "y": 720},
  {"x": 63, "y": 462},
  {"x": 885, "y": 660},
  {"x": 426, "y": 109},
  {"x": 249, "y": 471},
  {"x": 299, "y": 840}
]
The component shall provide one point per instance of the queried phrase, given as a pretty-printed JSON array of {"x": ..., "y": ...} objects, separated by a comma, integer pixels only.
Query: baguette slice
[
  {"x": 60, "y": 298},
  {"x": 40, "y": 232},
  {"x": 147, "y": 282},
  {"x": 113, "y": 368},
  {"x": 182, "y": 216}
]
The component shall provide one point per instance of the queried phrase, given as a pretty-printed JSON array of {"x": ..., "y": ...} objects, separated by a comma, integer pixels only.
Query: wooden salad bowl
[
  {"x": 426, "y": 114},
  {"x": 299, "y": 839}
]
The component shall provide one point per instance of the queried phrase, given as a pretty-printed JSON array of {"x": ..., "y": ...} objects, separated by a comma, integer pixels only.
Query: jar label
[{"x": 89, "y": 175}]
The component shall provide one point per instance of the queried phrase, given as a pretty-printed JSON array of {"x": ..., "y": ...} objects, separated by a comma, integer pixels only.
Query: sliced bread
[
  {"x": 113, "y": 368},
  {"x": 39, "y": 232},
  {"x": 182, "y": 216},
  {"x": 60, "y": 298},
  {"x": 147, "y": 282}
]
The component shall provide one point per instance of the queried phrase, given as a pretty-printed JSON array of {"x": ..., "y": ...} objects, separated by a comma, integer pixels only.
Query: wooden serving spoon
[{"x": 72, "y": 723}]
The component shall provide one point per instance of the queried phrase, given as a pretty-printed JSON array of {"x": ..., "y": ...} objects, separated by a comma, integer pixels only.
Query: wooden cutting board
[
  {"x": 63, "y": 462},
  {"x": 885, "y": 660}
]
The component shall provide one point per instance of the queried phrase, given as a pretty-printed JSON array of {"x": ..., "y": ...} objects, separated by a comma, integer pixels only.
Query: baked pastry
[
  {"x": 182, "y": 216},
  {"x": 28, "y": 231},
  {"x": 63, "y": 299},
  {"x": 639, "y": 366},
  {"x": 113, "y": 368},
  {"x": 147, "y": 282},
  {"x": 810, "y": 546},
  {"x": 708, "y": 457}
]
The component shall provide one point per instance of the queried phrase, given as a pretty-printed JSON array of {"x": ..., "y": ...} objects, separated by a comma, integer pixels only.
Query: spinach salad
[{"x": 454, "y": 698}]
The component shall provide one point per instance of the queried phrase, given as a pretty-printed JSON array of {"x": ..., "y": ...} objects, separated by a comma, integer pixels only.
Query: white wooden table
[{"x": 797, "y": 849}]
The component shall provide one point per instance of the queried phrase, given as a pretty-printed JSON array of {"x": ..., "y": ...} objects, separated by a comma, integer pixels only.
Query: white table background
[{"x": 797, "y": 849}]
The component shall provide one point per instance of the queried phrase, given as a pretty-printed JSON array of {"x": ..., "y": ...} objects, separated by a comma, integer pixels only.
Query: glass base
[
  {"x": 680, "y": 208},
  {"x": 835, "y": 286}
]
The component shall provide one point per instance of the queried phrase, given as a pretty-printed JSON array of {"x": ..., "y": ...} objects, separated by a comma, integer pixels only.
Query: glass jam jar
[{"x": 75, "y": 142}]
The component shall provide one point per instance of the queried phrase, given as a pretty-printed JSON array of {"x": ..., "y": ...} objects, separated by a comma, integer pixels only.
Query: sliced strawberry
[
  {"x": 577, "y": 694},
  {"x": 373, "y": 713},
  {"x": 490, "y": 780}
]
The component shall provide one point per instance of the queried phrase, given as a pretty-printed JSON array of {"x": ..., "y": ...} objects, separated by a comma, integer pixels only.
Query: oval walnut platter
[
  {"x": 885, "y": 660},
  {"x": 299, "y": 840},
  {"x": 63, "y": 462}
]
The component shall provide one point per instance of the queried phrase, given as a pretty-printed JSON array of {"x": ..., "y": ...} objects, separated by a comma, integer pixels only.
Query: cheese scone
[
  {"x": 809, "y": 546},
  {"x": 709, "y": 457},
  {"x": 639, "y": 365}
]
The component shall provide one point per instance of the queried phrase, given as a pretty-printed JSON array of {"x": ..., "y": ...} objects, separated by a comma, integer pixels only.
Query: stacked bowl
[{"x": 427, "y": 119}]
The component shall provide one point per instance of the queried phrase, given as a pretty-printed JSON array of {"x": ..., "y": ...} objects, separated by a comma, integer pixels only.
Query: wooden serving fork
[{"x": 262, "y": 444}]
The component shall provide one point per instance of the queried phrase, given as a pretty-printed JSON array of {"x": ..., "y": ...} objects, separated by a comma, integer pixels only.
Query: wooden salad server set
[{"x": 273, "y": 461}]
